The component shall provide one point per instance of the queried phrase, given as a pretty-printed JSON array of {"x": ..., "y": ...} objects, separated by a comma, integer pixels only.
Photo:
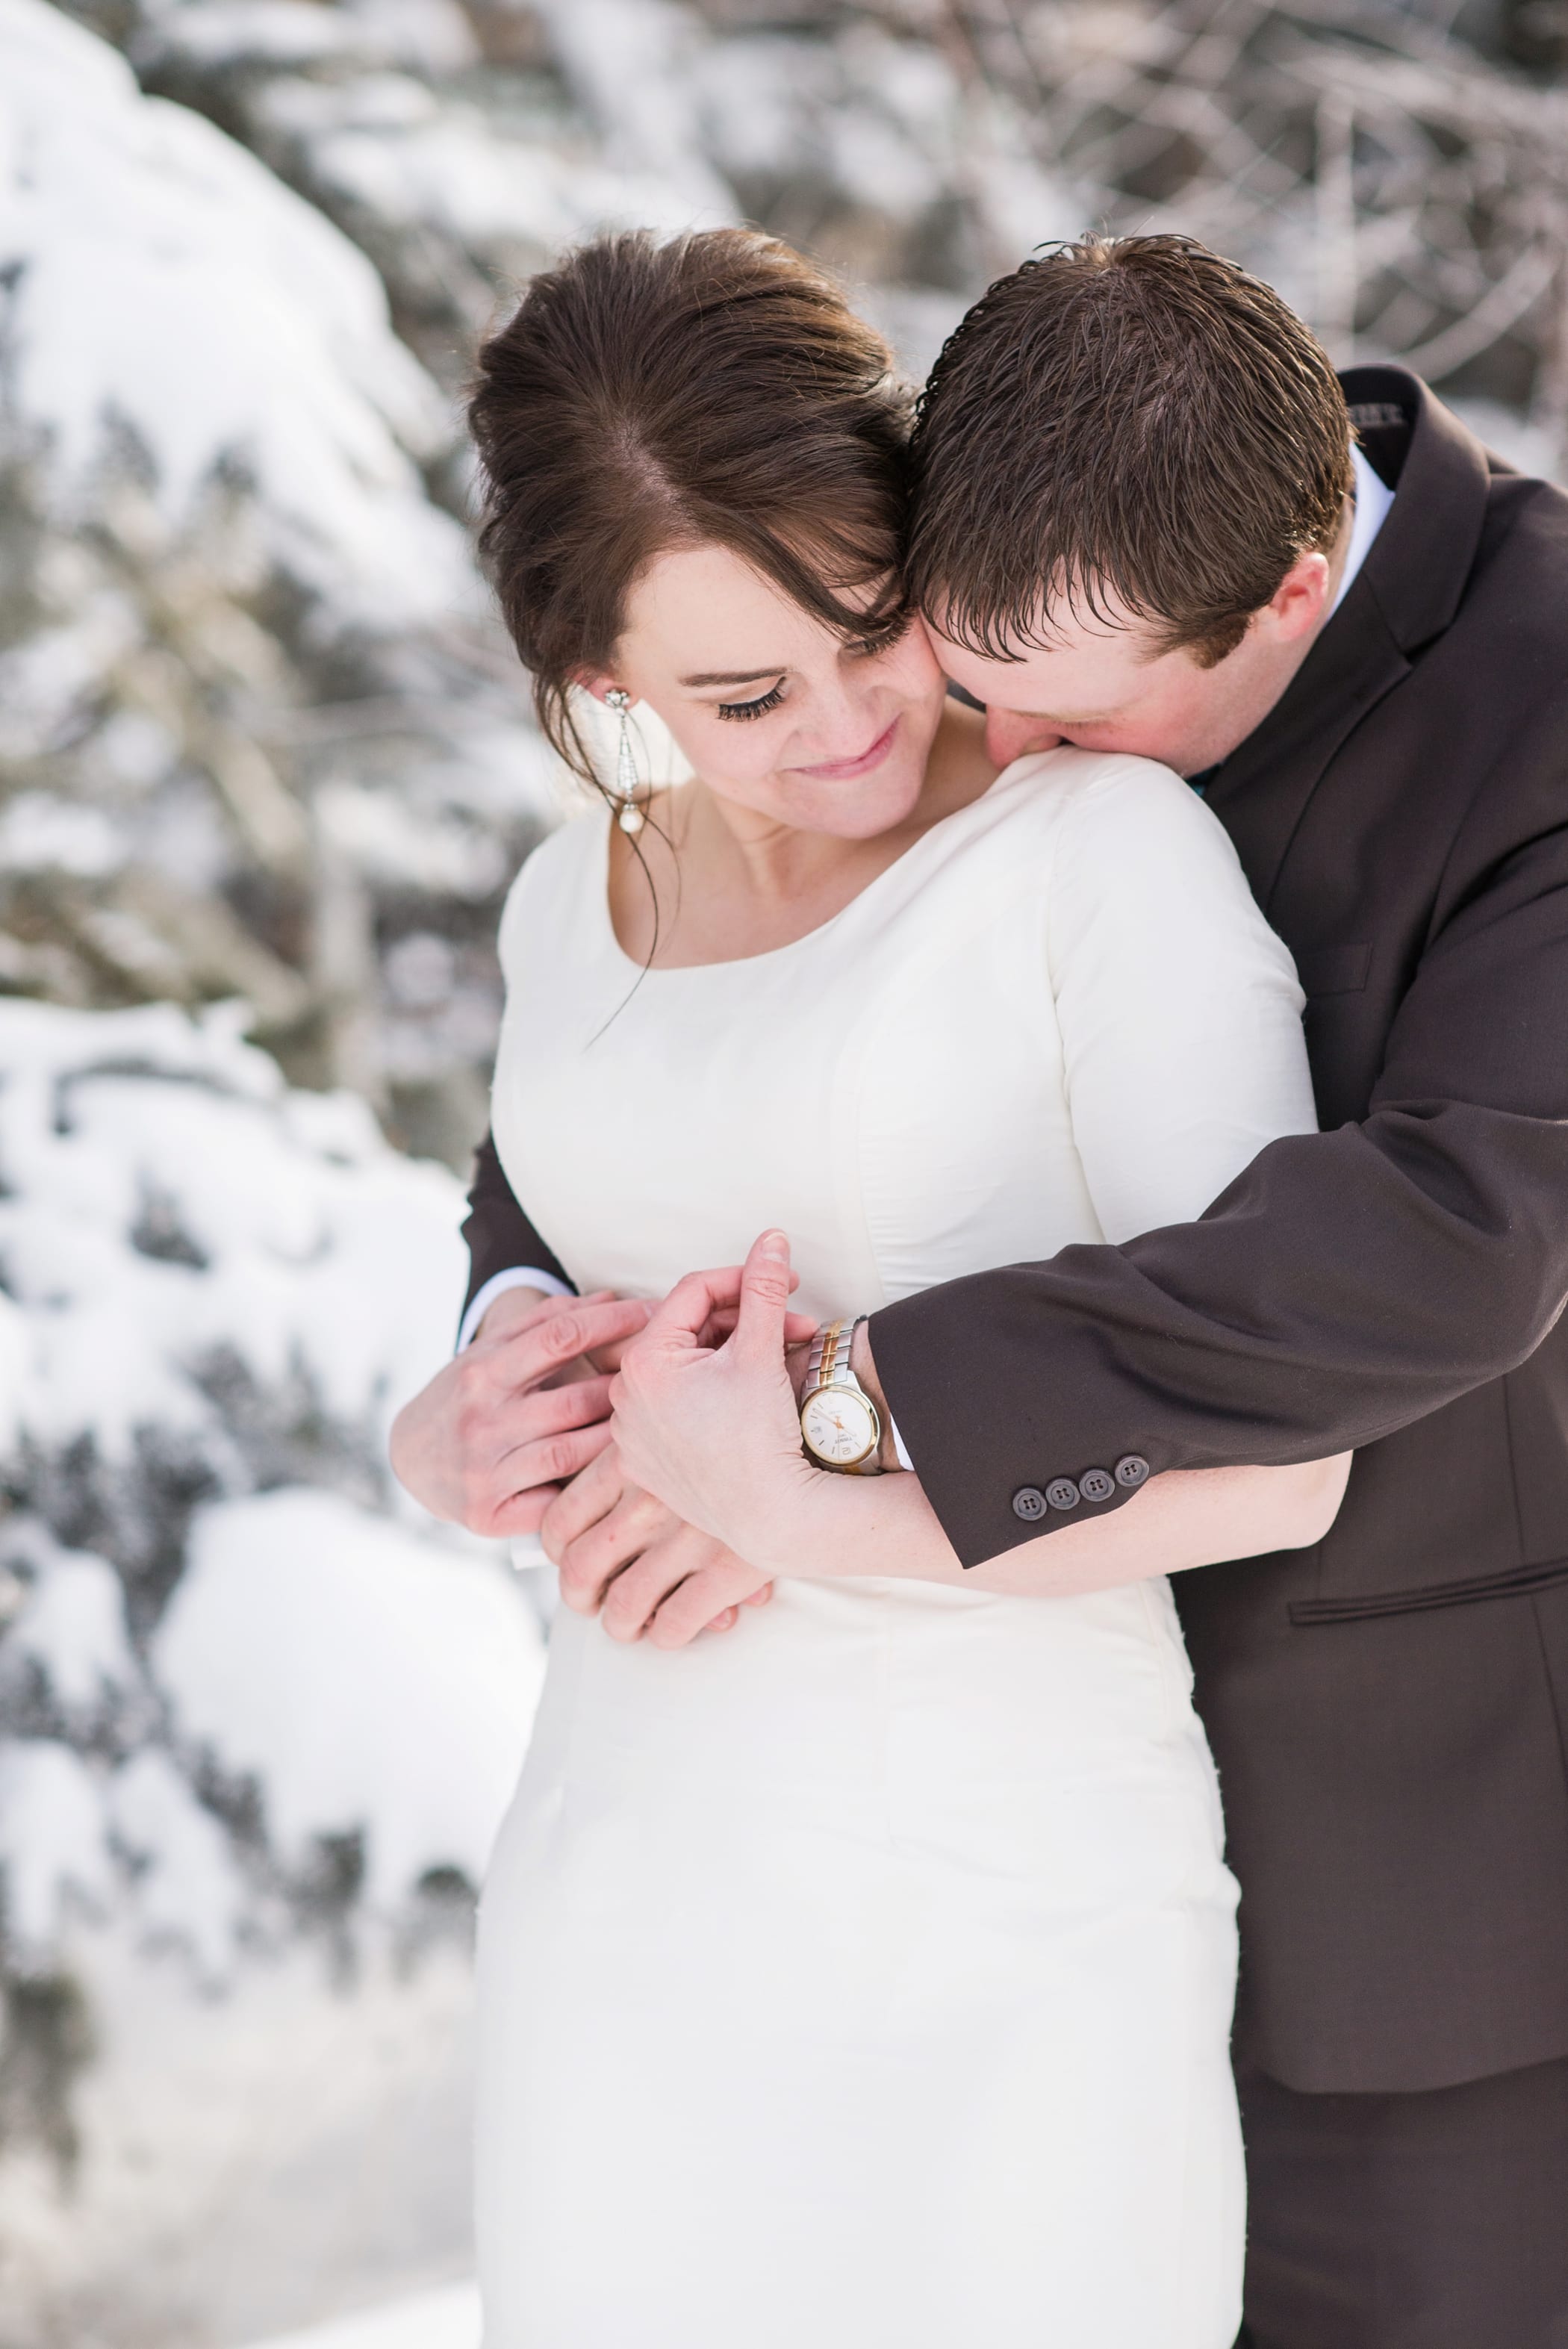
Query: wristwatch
[{"x": 839, "y": 1422}]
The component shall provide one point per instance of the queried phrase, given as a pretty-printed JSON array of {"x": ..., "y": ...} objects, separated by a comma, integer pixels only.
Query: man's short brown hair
[{"x": 1128, "y": 420}]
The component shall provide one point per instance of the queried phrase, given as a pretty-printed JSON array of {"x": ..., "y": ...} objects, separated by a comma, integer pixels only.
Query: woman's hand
[
  {"x": 623, "y": 1554},
  {"x": 501, "y": 1428},
  {"x": 715, "y": 1431}
]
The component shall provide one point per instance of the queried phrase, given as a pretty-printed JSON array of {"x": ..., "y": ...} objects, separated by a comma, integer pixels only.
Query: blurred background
[{"x": 266, "y": 769}]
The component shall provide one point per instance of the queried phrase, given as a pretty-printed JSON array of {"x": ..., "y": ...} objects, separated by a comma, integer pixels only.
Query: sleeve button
[
  {"x": 1133, "y": 1471},
  {"x": 1096, "y": 1486},
  {"x": 1063, "y": 1493},
  {"x": 1028, "y": 1503}
]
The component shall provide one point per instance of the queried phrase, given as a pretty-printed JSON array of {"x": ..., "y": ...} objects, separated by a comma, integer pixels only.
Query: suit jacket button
[
  {"x": 1133, "y": 1471},
  {"x": 1096, "y": 1486},
  {"x": 1028, "y": 1503},
  {"x": 1063, "y": 1493}
]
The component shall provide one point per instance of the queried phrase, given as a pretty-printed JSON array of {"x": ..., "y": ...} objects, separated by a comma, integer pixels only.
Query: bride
[{"x": 860, "y": 1979}]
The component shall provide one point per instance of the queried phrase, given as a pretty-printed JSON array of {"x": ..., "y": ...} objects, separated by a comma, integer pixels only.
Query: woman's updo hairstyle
[{"x": 717, "y": 388}]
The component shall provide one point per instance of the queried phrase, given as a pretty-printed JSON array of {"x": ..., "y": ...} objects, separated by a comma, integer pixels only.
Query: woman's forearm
[{"x": 884, "y": 1526}]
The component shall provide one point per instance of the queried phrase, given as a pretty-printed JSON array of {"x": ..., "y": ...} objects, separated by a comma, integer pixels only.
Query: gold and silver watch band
[{"x": 828, "y": 1365}]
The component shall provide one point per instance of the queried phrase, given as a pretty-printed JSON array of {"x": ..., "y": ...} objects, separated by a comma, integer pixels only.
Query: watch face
[{"x": 839, "y": 1427}]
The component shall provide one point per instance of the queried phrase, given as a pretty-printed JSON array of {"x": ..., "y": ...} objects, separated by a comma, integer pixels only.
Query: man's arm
[
  {"x": 1346, "y": 1285},
  {"x": 504, "y": 1249},
  {"x": 714, "y": 1432}
]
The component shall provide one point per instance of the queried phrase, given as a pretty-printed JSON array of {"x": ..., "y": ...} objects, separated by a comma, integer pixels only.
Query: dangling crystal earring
[{"x": 628, "y": 815}]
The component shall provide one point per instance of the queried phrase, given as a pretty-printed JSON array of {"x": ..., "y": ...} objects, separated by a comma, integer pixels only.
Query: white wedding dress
[{"x": 861, "y": 1978}]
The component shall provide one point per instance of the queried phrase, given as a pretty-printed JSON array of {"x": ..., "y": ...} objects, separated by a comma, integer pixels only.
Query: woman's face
[{"x": 777, "y": 714}]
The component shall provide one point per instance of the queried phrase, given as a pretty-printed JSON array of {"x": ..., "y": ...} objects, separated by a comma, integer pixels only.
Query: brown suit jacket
[{"x": 1389, "y": 1711}]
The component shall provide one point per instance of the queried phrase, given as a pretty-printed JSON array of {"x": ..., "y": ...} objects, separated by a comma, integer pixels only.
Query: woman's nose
[{"x": 1013, "y": 733}]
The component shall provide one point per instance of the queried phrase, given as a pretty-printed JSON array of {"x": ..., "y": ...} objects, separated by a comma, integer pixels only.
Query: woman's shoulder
[
  {"x": 1135, "y": 849},
  {"x": 1115, "y": 810},
  {"x": 1094, "y": 783},
  {"x": 554, "y": 876}
]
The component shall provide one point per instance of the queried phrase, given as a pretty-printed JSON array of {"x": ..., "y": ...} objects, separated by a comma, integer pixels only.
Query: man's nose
[{"x": 1012, "y": 734}]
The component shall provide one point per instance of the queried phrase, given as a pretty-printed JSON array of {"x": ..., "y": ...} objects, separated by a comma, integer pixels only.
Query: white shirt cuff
[
  {"x": 525, "y": 1275},
  {"x": 900, "y": 1446}
]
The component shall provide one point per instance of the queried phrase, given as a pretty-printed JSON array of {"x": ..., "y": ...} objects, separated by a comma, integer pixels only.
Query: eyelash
[{"x": 764, "y": 702}]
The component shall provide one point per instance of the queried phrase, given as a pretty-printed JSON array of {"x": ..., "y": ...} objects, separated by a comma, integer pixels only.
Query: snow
[
  {"x": 187, "y": 1889},
  {"x": 53, "y": 1841},
  {"x": 167, "y": 284},
  {"x": 72, "y": 1626},
  {"x": 39, "y": 832},
  {"x": 251, "y": 2161},
  {"x": 266, "y": 1242},
  {"x": 438, "y": 2320},
  {"x": 171, "y": 1203},
  {"x": 371, "y": 1681},
  {"x": 231, "y": 1655}
]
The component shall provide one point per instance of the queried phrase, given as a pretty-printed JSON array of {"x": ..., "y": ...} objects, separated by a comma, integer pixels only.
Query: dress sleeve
[{"x": 1179, "y": 1008}]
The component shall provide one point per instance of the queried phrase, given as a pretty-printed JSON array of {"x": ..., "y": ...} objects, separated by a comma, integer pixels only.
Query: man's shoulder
[
  {"x": 1523, "y": 557},
  {"x": 1506, "y": 640}
]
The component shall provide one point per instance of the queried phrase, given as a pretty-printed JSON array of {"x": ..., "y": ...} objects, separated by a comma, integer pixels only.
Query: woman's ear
[{"x": 593, "y": 682}]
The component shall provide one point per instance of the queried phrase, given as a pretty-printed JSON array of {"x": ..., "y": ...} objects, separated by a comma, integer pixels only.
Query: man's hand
[
  {"x": 714, "y": 1432},
  {"x": 622, "y": 1554},
  {"x": 490, "y": 1440}
]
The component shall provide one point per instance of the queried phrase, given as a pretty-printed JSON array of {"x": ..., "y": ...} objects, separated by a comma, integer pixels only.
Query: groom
[{"x": 1141, "y": 525}]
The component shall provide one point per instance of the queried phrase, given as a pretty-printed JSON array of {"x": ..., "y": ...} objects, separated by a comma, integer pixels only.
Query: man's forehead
[
  {"x": 1064, "y": 628},
  {"x": 1088, "y": 665}
]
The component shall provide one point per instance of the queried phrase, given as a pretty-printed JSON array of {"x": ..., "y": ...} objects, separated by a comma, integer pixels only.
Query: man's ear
[{"x": 1299, "y": 603}]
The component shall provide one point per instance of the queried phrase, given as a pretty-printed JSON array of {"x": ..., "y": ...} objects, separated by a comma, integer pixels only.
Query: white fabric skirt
[{"x": 862, "y": 1979}]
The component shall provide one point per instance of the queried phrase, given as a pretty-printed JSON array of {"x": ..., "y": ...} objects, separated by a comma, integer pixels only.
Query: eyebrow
[{"x": 735, "y": 677}]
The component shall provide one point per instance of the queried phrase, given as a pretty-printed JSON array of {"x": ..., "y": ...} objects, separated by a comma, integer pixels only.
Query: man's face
[{"x": 1105, "y": 685}]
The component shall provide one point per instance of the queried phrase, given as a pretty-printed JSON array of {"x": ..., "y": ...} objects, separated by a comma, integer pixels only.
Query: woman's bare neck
[{"x": 726, "y": 891}]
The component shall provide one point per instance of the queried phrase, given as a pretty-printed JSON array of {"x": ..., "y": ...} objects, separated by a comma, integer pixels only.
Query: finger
[
  {"x": 589, "y": 1498},
  {"x": 636, "y": 1593},
  {"x": 799, "y": 1327},
  {"x": 531, "y": 1353},
  {"x": 691, "y": 1606},
  {"x": 680, "y": 1321},
  {"x": 726, "y": 1621},
  {"x": 592, "y": 1563},
  {"x": 550, "y": 1411},
  {"x": 550, "y": 1461},
  {"x": 764, "y": 1301},
  {"x": 508, "y": 1520},
  {"x": 758, "y": 1597},
  {"x": 608, "y": 1358}
]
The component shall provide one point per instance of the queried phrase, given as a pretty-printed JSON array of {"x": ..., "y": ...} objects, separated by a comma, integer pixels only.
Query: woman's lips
[{"x": 843, "y": 770}]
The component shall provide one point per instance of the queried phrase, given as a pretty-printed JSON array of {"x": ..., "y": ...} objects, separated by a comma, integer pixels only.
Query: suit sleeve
[
  {"x": 500, "y": 1235},
  {"x": 1343, "y": 1285}
]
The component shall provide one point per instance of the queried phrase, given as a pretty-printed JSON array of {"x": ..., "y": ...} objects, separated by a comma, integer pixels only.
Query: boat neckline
[{"x": 808, "y": 938}]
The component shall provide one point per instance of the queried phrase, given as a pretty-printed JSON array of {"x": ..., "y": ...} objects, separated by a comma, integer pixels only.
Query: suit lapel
[{"x": 1407, "y": 592}]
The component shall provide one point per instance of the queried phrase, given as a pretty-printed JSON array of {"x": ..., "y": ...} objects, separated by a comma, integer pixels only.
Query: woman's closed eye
[{"x": 764, "y": 702}]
